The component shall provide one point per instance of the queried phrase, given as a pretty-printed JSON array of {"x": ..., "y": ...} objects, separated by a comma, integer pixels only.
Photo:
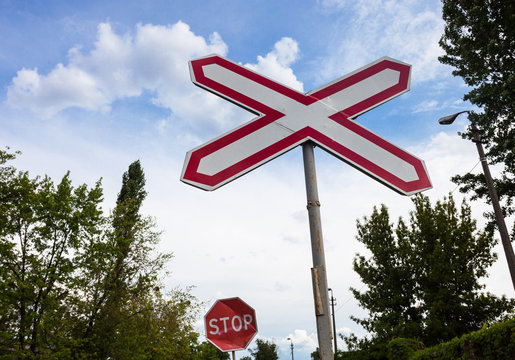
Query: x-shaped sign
[{"x": 287, "y": 118}]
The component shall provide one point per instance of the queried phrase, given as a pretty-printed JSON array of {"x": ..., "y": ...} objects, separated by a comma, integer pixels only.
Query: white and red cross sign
[{"x": 287, "y": 118}]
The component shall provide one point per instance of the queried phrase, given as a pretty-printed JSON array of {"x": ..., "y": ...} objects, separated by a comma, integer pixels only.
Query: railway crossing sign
[{"x": 287, "y": 118}]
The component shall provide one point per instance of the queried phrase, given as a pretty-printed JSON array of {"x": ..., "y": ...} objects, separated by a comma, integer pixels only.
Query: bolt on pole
[{"x": 320, "y": 292}]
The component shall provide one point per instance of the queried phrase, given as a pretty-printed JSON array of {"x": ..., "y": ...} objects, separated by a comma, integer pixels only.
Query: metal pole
[
  {"x": 292, "y": 350},
  {"x": 505, "y": 237},
  {"x": 318, "y": 272},
  {"x": 334, "y": 322}
]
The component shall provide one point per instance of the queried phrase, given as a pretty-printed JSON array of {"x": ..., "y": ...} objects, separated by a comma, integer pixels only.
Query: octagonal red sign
[{"x": 230, "y": 324}]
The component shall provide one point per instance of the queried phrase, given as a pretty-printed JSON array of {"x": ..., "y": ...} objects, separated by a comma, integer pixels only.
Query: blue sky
[{"x": 92, "y": 86}]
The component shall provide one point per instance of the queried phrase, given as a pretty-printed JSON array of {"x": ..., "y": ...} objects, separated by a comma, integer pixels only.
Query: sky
[{"x": 89, "y": 87}]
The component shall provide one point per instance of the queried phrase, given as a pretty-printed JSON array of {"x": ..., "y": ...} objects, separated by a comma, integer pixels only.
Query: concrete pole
[
  {"x": 333, "y": 300},
  {"x": 499, "y": 217},
  {"x": 318, "y": 272}
]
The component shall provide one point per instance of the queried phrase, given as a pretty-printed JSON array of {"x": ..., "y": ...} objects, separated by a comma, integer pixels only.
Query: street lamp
[
  {"x": 505, "y": 237},
  {"x": 291, "y": 345},
  {"x": 334, "y": 322}
]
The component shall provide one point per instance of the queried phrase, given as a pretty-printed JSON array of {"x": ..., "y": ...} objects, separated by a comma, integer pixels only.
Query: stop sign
[{"x": 230, "y": 324}]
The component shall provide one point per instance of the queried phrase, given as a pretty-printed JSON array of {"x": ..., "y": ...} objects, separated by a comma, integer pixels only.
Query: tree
[
  {"x": 478, "y": 43},
  {"x": 42, "y": 226},
  {"x": 422, "y": 278},
  {"x": 207, "y": 351},
  {"x": 338, "y": 355},
  {"x": 116, "y": 266},
  {"x": 264, "y": 350},
  {"x": 127, "y": 315},
  {"x": 75, "y": 283},
  {"x": 156, "y": 327}
]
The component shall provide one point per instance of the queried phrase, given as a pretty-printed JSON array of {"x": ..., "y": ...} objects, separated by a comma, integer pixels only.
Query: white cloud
[
  {"x": 121, "y": 66},
  {"x": 404, "y": 29},
  {"x": 426, "y": 105},
  {"x": 301, "y": 340},
  {"x": 447, "y": 104},
  {"x": 276, "y": 64},
  {"x": 154, "y": 59},
  {"x": 63, "y": 87}
]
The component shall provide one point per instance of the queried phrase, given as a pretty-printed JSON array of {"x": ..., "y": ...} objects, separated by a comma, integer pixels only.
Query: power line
[
  {"x": 349, "y": 299},
  {"x": 457, "y": 186}
]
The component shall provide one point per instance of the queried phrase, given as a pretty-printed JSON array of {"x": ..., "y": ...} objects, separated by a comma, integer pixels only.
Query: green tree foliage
[
  {"x": 494, "y": 342},
  {"x": 478, "y": 43},
  {"x": 127, "y": 316},
  {"x": 265, "y": 350},
  {"x": 42, "y": 226},
  {"x": 119, "y": 269},
  {"x": 338, "y": 355},
  {"x": 422, "y": 278},
  {"x": 403, "y": 349},
  {"x": 77, "y": 284},
  {"x": 207, "y": 351}
]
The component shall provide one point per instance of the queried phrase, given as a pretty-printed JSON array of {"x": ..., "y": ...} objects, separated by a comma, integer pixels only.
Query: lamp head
[{"x": 449, "y": 119}]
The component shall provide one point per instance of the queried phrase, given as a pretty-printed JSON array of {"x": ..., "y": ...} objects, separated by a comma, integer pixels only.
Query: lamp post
[
  {"x": 505, "y": 237},
  {"x": 291, "y": 345},
  {"x": 334, "y": 322}
]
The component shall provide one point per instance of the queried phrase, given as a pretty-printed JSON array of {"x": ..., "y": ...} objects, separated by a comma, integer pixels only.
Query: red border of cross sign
[{"x": 286, "y": 118}]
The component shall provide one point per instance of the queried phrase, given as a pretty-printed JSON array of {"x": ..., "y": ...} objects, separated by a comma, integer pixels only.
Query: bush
[
  {"x": 496, "y": 342},
  {"x": 403, "y": 349}
]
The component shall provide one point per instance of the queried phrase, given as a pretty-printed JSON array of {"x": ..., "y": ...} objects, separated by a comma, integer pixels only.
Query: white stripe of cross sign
[{"x": 286, "y": 118}]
